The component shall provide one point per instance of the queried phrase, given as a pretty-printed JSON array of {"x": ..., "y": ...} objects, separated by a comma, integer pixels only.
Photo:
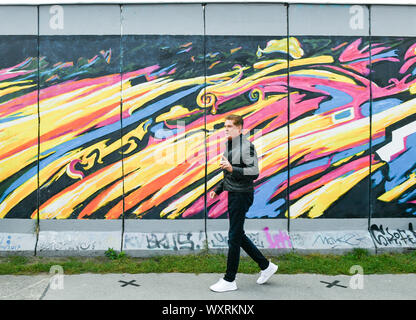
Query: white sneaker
[
  {"x": 267, "y": 273},
  {"x": 223, "y": 286}
]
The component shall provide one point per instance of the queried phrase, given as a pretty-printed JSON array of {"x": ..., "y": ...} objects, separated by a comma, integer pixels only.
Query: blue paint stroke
[{"x": 339, "y": 99}]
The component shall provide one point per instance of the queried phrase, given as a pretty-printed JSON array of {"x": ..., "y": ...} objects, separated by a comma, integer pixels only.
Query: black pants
[{"x": 238, "y": 205}]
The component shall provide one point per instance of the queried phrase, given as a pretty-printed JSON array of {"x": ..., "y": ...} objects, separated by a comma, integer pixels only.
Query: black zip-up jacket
[{"x": 242, "y": 156}]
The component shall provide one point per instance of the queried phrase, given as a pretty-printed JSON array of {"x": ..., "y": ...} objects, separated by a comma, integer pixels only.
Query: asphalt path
[{"x": 185, "y": 286}]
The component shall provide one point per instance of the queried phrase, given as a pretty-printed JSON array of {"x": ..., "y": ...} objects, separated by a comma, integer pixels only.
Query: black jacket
[{"x": 242, "y": 155}]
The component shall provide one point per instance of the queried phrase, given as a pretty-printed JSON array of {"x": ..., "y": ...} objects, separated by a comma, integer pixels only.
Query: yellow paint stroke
[
  {"x": 268, "y": 63},
  {"x": 336, "y": 164},
  {"x": 136, "y": 96},
  {"x": 325, "y": 75},
  {"x": 384, "y": 119},
  {"x": 412, "y": 89},
  {"x": 330, "y": 140},
  {"x": 315, "y": 203},
  {"x": 13, "y": 89},
  {"x": 5, "y": 84},
  {"x": 398, "y": 190},
  {"x": 308, "y": 125}
]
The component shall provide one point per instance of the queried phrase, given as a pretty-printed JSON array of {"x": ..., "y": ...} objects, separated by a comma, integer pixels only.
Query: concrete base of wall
[
  {"x": 144, "y": 238},
  {"x": 17, "y": 236},
  {"x": 17, "y": 243},
  {"x": 333, "y": 242}
]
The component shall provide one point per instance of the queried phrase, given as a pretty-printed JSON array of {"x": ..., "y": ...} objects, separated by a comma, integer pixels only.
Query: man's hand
[
  {"x": 212, "y": 194},
  {"x": 225, "y": 164}
]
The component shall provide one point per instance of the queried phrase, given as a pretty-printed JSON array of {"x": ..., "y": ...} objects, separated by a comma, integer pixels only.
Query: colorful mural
[
  {"x": 79, "y": 103},
  {"x": 329, "y": 135},
  {"x": 133, "y": 126},
  {"x": 258, "y": 93},
  {"x": 165, "y": 156}
]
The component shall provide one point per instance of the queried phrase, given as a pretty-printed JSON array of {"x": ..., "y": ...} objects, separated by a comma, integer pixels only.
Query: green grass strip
[{"x": 291, "y": 263}]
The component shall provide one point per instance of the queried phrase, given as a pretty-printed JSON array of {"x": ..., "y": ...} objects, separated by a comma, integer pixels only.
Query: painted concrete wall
[{"x": 111, "y": 126}]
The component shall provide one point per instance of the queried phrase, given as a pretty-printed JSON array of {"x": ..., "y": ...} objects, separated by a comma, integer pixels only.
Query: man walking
[{"x": 240, "y": 167}]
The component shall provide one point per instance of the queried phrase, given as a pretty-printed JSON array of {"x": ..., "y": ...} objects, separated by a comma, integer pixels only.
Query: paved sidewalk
[{"x": 182, "y": 286}]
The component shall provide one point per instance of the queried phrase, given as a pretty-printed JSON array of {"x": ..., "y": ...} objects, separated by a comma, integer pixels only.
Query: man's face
[{"x": 231, "y": 130}]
